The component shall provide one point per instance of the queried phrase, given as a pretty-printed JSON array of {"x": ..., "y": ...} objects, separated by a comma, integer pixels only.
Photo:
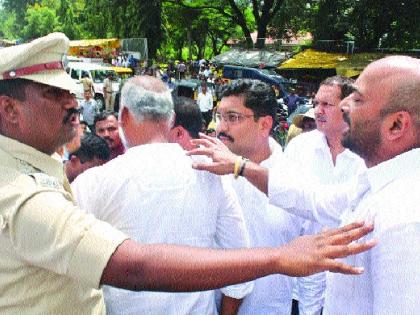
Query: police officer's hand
[{"x": 315, "y": 253}]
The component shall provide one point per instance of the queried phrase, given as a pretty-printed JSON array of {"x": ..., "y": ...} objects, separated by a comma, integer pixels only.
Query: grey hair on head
[{"x": 147, "y": 98}]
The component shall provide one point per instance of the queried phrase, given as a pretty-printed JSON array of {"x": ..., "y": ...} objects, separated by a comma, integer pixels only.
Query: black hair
[
  {"x": 92, "y": 147},
  {"x": 345, "y": 84},
  {"x": 187, "y": 115},
  {"x": 259, "y": 96},
  {"x": 15, "y": 88},
  {"x": 104, "y": 115}
]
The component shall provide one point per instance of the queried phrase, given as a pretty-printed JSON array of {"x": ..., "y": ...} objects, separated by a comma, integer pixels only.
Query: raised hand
[
  {"x": 310, "y": 254},
  {"x": 223, "y": 160}
]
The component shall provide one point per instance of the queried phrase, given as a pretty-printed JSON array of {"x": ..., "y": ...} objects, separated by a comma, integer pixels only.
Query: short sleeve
[{"x": 49, "y": 232}]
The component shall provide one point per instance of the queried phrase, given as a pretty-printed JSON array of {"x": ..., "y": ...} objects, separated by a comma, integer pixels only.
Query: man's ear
[
  {"x": 266, "y": 123},
  {"x": 9, "y": 109},
  {"x": 124, "y": 116},
  {"x": 177, "y": 131},
  {"x": 396, "y": 125}
]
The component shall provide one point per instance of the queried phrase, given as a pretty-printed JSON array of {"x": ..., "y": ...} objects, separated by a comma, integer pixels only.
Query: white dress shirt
[
  {"x": 312, "y": 155},
  {"x": 268, "y": 226},
  {"x": 387, "y": 195},
  {"x": 205, "y": 101},
  {"x": 153, "y": 194}
]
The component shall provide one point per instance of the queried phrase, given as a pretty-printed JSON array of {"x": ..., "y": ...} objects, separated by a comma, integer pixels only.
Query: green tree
[
  {"x": 263, "y": 13},
  {"x": 40, "y": 21}
]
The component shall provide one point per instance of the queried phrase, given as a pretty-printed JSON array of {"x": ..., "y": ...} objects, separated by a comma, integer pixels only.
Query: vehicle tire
[{"x": 100, "y": 101}]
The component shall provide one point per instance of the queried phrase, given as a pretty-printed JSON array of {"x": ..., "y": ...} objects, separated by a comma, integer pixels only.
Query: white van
[{"x": 97, "y": 74}]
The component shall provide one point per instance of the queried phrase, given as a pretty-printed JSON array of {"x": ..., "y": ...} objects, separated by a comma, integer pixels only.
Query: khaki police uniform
[{"x": 52, "y": 255}]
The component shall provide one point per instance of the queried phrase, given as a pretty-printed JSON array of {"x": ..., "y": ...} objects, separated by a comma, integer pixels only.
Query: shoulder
[{"x": 397, "y": 204}]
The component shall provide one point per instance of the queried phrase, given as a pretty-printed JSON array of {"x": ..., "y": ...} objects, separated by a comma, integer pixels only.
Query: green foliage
[
  {"x": 40, "y": 21},
  {"x": 201, "y": 28}
]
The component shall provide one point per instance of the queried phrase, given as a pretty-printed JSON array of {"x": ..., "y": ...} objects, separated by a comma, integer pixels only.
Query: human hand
[
  {"x": 311, "y": 254},
  {"x": 223, "y": 160}
]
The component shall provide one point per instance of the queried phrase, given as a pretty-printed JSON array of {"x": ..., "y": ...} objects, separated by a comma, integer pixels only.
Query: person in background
[
  {"x": 93, "y": 151},
  {"x": 106, "y": 127},
  {"x": 188, "y": 122},
  {"x": 205, "y": 103},
  {"x": 305, "y": 121},
  {"x": 88, "y": 109}
]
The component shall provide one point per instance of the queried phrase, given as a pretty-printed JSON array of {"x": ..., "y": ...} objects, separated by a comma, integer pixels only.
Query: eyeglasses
[{"x": 231, "y": 117}]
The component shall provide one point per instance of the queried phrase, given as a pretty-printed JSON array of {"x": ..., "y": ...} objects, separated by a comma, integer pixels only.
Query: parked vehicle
[
  {"x": 268, "y": 76},
  {"x": 97, "y": 74}
]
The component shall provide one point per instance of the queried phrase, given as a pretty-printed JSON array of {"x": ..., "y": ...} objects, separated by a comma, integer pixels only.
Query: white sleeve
[
  {"x": 395, "y": 265},
  {"x": 84, "y": 189},
  {"x": 321, "y": 203},
  {"x": 232, "y": 233},
  {"x": 311, "y": 289}
]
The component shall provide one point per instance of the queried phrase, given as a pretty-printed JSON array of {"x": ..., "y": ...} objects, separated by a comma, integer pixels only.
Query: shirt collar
[
  {"x": 400, "y": 166},
  {"x": 35, "y": 158}
]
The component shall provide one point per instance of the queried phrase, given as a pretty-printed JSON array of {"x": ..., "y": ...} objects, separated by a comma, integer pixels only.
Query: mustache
[
  {"x": 70, "y": 113},
  {"x": 222, "y": 134},
  {"x": 321, "y": 118}
]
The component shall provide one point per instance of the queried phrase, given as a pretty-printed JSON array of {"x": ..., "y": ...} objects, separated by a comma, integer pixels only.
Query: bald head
[
  {"x": 402, "y": 74},
  {"x": 383, "y": 112}
]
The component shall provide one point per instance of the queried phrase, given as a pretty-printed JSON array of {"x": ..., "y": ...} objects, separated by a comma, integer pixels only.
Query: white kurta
[
  {"x": 153, "y": 194},
  {"x": 268, "y": 226},
  {"x": 388, "y": 195},
  {"x": 311, "y": 153}
]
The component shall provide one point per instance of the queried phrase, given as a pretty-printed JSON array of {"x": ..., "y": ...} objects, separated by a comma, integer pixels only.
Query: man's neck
[
  {"x": 259, "y": 153},
  {"x": 334, "y": 143}
]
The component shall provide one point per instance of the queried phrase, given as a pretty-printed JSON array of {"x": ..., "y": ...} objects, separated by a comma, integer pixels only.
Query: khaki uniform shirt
[
  {"x": 87, "y": 84},
  {"x": 52, "y": 255}
]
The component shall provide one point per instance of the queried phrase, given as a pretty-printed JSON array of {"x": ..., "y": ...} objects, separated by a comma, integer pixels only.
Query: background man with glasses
[{"x": 244, "y": 120}]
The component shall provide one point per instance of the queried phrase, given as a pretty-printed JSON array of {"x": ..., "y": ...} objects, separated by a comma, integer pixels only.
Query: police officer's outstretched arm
[{"x": 161, "y": 267}]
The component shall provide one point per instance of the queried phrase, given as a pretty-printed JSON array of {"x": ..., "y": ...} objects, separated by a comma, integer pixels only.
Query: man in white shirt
[
  {"x": 383, "y": 117},
  {"x": 152, "y": 194},
  {"x": 322, "y": 160},
  {"x": 244, "y": 121},
  {"x": 89, "y": 108},
  {"x": 205, "y": 102}
]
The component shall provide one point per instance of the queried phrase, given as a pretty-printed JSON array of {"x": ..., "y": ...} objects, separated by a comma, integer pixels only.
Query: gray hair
[{"x": 147, "y": 98}]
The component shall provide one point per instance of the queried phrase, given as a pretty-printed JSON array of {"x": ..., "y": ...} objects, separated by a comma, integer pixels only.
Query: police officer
[{"x": 54, "y": 257}]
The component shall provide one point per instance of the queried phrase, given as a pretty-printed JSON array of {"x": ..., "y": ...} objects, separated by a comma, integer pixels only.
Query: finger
[
  {"x": 340, "y": 267},
  {"x": 211, "y": 139},
  {"x": 202, "y": 142},
  {"x": 350, "y": 236},
  {"x": 202, "y": 166},
  {"x": 200, "y": 151},
  {"x": 341, "y": 251},
  {"x": 343, "y": 229}
]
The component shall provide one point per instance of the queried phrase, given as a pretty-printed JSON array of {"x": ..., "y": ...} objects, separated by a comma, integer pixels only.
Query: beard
[{"x": 362, "y": 137}]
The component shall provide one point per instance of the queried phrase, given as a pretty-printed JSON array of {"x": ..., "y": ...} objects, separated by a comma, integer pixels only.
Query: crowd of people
[{"x": 141, "y": 212}]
